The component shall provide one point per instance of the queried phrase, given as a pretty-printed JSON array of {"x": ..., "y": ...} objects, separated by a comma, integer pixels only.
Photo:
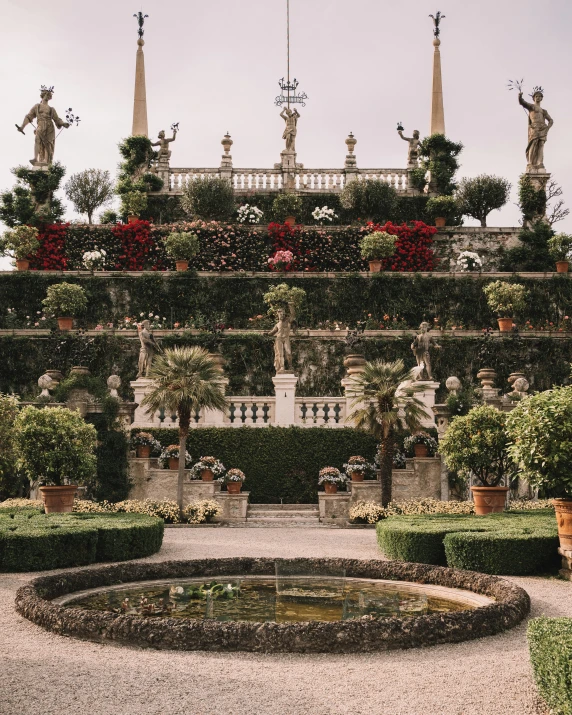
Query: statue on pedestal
[
  {"x": 149, "y": 347},
  {"x": 290, "y": 116},
  {"x": 281, "y": 331},
  {"x": 164, "y": 153},
  {"x": 421, "y": 347},
  {"x": 539, "y": 124},
  {"x": 413, "y": 151},
  {"x": 45, "y": 132}
]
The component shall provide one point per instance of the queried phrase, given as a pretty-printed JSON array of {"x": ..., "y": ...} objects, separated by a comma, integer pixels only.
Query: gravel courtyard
[{"x": 52, "y": 675}]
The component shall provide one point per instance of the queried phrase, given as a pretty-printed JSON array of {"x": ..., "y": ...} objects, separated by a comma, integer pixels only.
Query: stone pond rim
[{"x": 512, "y": 604}]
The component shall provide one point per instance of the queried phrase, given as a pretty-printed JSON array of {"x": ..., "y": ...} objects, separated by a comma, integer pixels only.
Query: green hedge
[
  {"x": 512, "y": 543},
  {"x": 550, "y": 644},
  {"x": 30, "y": 541},
  {"x": 279, "y": 462}
]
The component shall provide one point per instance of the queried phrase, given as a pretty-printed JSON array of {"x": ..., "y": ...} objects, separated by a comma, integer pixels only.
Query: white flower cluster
[
  {"x": 94, "y": 260},
  {"x": 324, "y": 214},
  {"x": 249, "y": 214},
  {"x": 469, "y": 261}
]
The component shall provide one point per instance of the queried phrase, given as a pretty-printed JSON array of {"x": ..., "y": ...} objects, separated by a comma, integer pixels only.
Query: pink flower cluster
[{"x": 281, "y": 259}]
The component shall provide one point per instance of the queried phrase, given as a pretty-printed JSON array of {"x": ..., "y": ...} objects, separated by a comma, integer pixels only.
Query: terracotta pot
[
  {"x": 182, "y": 265},
  {"x": 505, "y": 325},
  {"x": 133, "y": 219},
  {"x": 233, "y": 487},
  {"x": 420, "y": 450},
  {"x": 143, "y": 451},
  {"x": 561, "y": 267},
  {"x": 65, "y": 323},
  {"x": 58, "y": 499},
  {"x": 375, "y": 266},
  {"x": 440, "y": 222},
  {"x": 330, "y": 488},
  {"x": 173, "y": 463},
  {"x": 563, "y": 508},
  {"x": 489, "y": 500},
  {"x": 207, "y": 475},
  {"x": 357, "y": 476},
  {"x": 290, "y": 221},
  {"x": 22, "y": 264}
]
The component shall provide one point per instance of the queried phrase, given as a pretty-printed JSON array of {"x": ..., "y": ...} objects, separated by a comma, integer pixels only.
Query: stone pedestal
[
  {"x": 566, "y": 570},
  {"x": 421, "y": 480},
  {"x": 366, "y": 491},
  {"x": 150, "y": 482},
  {"x": 215, "y": 418},
  {"x": 427, "y": 397},
  {"x": 141, "y": 417},
  {"x": 234, "y": 506},
  {"x": 285, "y": 391},
  {"x": 334, "y": 508}
]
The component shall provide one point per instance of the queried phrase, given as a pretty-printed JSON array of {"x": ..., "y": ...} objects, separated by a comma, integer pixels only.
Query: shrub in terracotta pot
[
  {"x": 444, "y": 210},
  {"x": 169, "y": 458},
  {"x": 22, "y": 241},
  {"x": 286, "y": 207},
  {"x": 181, "y": 246},
  {"x": 133, "y": 203},
  {"x": 207, "y": 468},
  {"x": 56, "y": 449},
  {"x": 375, "y": 247},
  {"x": 145, "y": 444},
  {"x": 331, "y": 478},
  {"x": 233, "y": 480},
  {"x": 65, "y": 301},
  {"x": 540, "y": 432},
  {"x": 506, "y": 300},
  {"x": 477, "y": 444},
  {"x": 358, "y": 468},
  {"x": 560, "y": 248},
  {"x": 420, "y": 444}
]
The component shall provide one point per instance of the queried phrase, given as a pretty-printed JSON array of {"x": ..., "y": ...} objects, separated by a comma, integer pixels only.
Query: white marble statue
[
  {"x": 421, "y": 347},
  {"x": 46, "y": 117},
  {"x": 539, "y": 124},
  {"x": 281, "y": 332}
]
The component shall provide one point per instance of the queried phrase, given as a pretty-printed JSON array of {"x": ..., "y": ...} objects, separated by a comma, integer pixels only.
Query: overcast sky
[{"x": 365, "y": 65}]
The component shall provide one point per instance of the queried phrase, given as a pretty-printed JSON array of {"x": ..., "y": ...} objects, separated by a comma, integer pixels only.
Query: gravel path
[{"x": 52, "y": 675}]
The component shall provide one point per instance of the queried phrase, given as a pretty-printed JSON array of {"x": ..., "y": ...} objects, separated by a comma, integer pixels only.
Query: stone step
[{"x": 283, "y": 507}]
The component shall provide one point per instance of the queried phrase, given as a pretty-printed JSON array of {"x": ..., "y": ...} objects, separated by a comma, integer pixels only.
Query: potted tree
[
  {"x": 505, "y": 299},
  {"x": 540, "y": 429},
  {"x": 65, "y": 301},
  {"x": 476, "y": 444},
  {"x": 331, "y": 478},
  {"x": 285, "y": 207},
  {"x": 358, "y": 468},
  {"x": 375, "y": 247},
  {"x": 443, "y": 210},
  {"x": 181, "y": 246},
  {"x": 56, "y": 449},
  {"x": 22, "y": 241},
  {"x": 133, "y": 204},
  {"x": 560, "y": 247},
  {"x": 420, "y": 444},
  {"x": 145, "y": 444},
  {"x": 233, "y": 480},
  {"x": 169, "y": 458},
  {"x": 207, "y": 468}
]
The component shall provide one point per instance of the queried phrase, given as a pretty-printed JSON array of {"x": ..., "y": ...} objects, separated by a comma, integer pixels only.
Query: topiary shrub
[
  {"x": 372, "y": 200},
  {"x": 210, "y": 198},
  {"x": 377, "y": 245},
  {"x": 479, "y": 196},
  {"x": 550, "y": 644},
  {"x": 285, "y": 205},
  {"x": 65, "y": 299},
  {"x": 446, "y": 207},
  {"x": 22, "y": 241},
  {"x": 505, "y": 299}
]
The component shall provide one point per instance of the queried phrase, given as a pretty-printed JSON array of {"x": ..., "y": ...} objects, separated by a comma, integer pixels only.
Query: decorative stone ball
[
  {"x": 114, "y": 383},
  {"x": 453, "y": 384},
  {"x": 521, "y": 384},
  {"x": 45, "y": 383}
]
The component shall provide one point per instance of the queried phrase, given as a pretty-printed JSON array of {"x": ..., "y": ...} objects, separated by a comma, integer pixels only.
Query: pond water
[{"x": 283, "y": 598}]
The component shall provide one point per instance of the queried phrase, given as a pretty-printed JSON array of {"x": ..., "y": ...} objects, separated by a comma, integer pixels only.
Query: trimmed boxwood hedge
[
  {"x": 279, "y": 462},
  {"x": 550, "y": 644},
  {"x": 514, "y": 543},
  {"x": 30, "y": 541}
]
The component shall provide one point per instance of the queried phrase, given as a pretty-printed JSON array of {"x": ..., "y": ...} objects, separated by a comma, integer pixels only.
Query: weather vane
[
  {"x": 141, "y": 21},
  {"x": 288, "y": 95},
  {"x": 437, "y": 21}
]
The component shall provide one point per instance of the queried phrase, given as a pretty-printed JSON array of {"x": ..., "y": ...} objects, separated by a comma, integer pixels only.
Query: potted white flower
[
  {"x": 169, "y": 458},
  {"x": 23, "y": 242},
  {"x": 249, "y": 214},
  {"x": 145, "y": 444},
  {"x": 181, "y": 246},
  {"x": 420, "y": 444},
  {"x": 233, "y": 480},
  {"x": 358, "y": 468},
  {"x": 207, "y": 468},
  {"x": 94, "y": 260},
  {"x": 331, "y": 478},
  {"x": 377, "y": 246},
  {"x": 323, "y": 214},
  {"x": 65, "y": 301}
]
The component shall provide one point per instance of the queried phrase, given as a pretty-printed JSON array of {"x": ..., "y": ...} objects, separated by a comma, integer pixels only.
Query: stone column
[
  {"x": 215, "y": 418},
  {"x": 427, "y": 397},
  {"x": 142, "y": 418},
  {"x": 140, "y": 126},
  {"x": 350, "y": 165},
  {"x": 226, "y": 159},
  {"x": 437, "y": 109},
  {"x": 285, "y": 391}
]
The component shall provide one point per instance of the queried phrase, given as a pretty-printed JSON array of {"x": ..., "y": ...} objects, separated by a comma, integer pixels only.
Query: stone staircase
[{"x": 282, "y": 515}]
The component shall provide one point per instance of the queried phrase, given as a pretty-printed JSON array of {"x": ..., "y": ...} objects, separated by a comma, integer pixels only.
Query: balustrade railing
[
  {"x": 252, "y": 411},
  {"x": 321, "y": 411}
]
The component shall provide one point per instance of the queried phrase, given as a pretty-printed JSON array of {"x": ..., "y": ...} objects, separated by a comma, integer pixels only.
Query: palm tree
[
  {"x": 187, "y": 379},
  {"x": 378, "y": 399}
]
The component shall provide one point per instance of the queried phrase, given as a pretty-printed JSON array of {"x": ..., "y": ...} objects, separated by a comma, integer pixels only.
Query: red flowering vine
[
  {"x": 51, "y": 255},
  {"x": 138, "y": 249},
  {"x": 413, "y": 250}
]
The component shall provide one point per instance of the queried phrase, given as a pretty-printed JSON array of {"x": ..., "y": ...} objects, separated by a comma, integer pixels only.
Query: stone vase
[
  {"x": 79, "y": 370},
  {"x": 505, "y": 325},
  {"x": 233, "y": 487},
  {"x": 489, "y": 500},
  {"x": 330, "y": 488},
  {"x": 143, "y": 451},
  {"x": 22, "y": 264},
  {"x": 563, "y": 508},
  {"x": 207, "y": 475},
  {"x": 561, "y": 267},
  {"x": 59, "y": 499},
  {"x": 65, "y": 323}
]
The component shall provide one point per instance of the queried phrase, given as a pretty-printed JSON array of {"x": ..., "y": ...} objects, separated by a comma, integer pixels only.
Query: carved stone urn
[{"x": 354, "y": 364}]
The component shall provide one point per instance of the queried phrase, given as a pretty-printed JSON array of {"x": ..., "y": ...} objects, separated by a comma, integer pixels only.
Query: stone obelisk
[
  {"x": 437, "y": 109},
  {"x": 140, "y": 97}
]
